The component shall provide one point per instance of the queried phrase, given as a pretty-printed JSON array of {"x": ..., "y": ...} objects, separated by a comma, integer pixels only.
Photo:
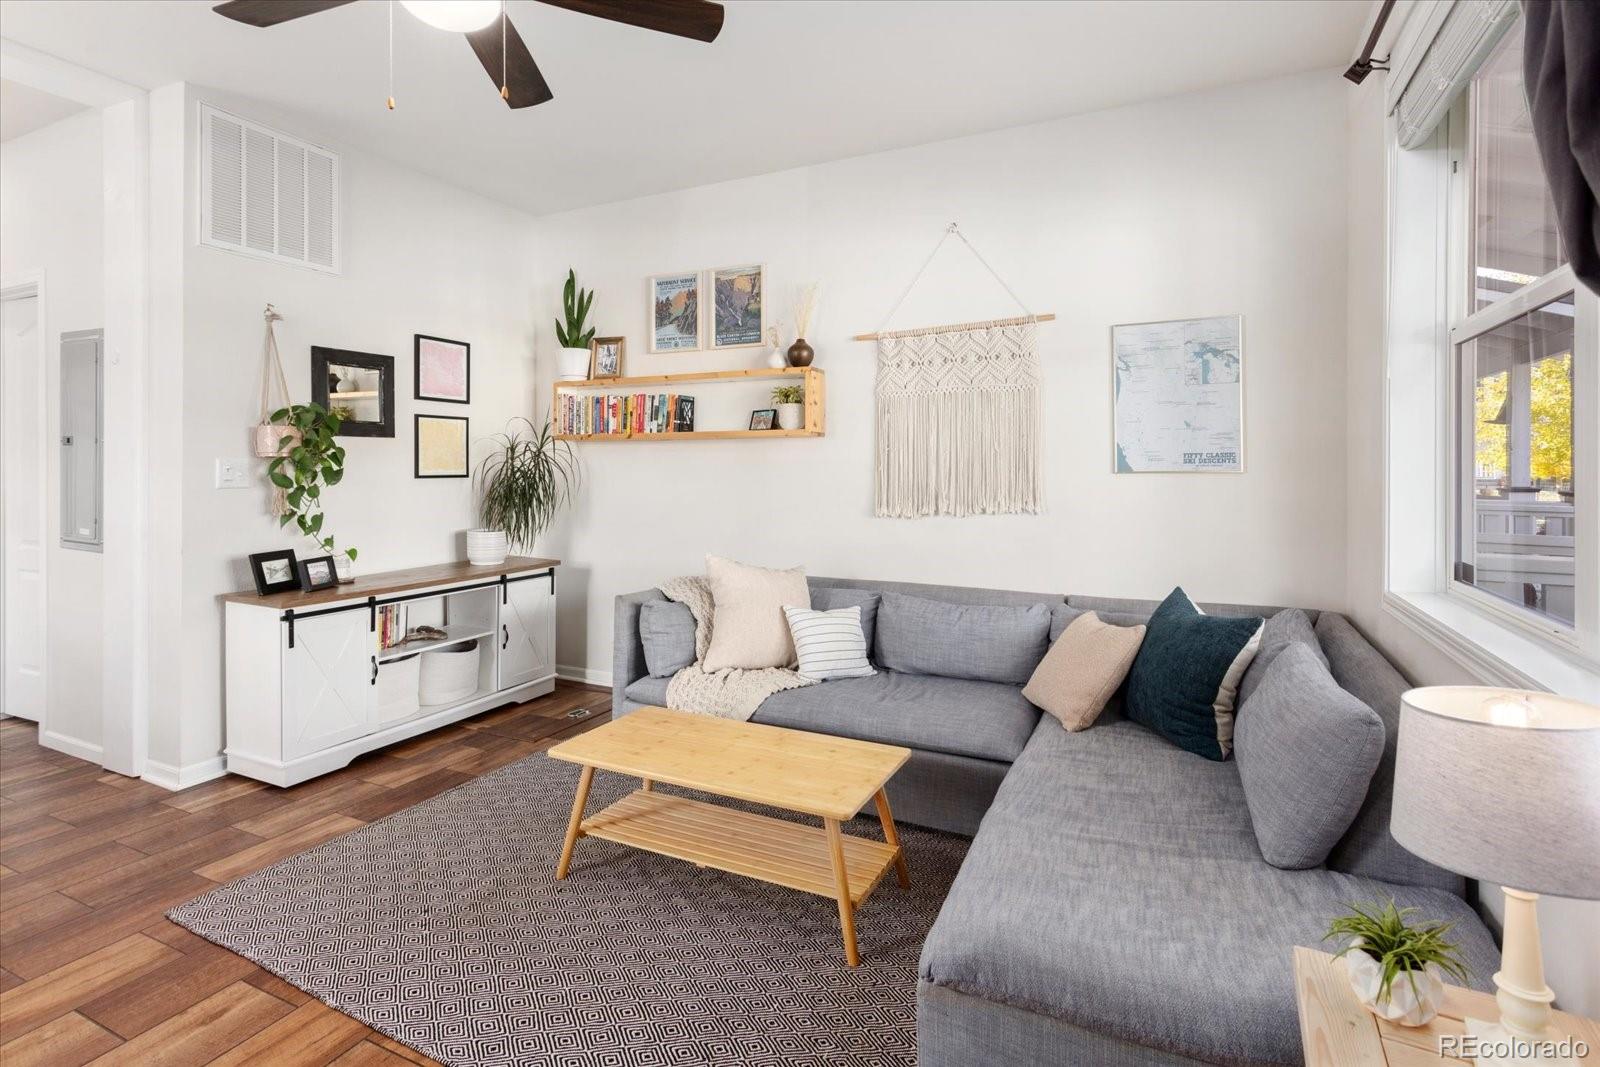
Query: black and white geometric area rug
[{"x": 443, "y": 927}]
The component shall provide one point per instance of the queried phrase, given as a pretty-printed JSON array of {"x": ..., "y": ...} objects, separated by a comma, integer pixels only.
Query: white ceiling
[
  {"x": 789, "y": 82},
  {"x": 24, "y": 109}
]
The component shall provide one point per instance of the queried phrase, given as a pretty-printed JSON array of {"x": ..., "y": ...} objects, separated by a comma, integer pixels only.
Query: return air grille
[{"x": 266, "y": 194}]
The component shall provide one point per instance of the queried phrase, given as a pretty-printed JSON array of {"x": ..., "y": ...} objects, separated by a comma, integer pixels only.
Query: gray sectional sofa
[{"x": 1114, "y": 907}]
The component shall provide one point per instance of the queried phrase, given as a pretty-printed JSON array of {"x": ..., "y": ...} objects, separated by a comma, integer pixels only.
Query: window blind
[{"x": 1464, "y": 39}]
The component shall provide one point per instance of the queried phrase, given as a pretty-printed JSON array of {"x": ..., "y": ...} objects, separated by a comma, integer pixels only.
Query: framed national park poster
[
  {"x": 675, "y": 312},
  {"x": 737, "y": 300}
]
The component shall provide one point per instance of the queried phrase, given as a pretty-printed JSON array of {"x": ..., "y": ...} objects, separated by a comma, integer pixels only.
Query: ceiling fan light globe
[{"x": 457, "y": 16}]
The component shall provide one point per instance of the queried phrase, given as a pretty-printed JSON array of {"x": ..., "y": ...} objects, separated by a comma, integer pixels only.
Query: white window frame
[{"x": 1428, "y": 290}]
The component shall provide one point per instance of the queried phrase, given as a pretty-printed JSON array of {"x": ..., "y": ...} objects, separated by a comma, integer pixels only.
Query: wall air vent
[{"x": 267, "y": 194}]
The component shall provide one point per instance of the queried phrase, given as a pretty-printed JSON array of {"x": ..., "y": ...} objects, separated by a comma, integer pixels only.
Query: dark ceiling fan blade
[
  {"x": 527, "y": 86},
  {"x": 272, "y": 12},
  {"x": 697, "y": 19}
]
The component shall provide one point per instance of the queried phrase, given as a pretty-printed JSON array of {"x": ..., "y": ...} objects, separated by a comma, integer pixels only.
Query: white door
[
  {"x": 22, "y": 515},
  {"x": 527, "y": 632},
  {"x": 327, "y": 680}
]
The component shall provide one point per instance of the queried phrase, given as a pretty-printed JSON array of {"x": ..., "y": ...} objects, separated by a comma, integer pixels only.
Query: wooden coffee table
[{"x": 814, "y": 774}]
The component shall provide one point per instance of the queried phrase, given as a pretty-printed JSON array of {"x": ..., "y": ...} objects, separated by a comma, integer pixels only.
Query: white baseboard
[
  {"x": 584, "y": 675},
  {"x": 175, "y": 778},
  {"x": 70, "y": 745}
]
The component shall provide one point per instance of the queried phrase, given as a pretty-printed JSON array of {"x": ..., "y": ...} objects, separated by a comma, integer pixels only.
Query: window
[{"x": 1519, "y": 481}]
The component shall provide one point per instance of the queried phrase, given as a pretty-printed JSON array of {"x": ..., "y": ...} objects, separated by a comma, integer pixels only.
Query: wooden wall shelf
[{"x": 811, "y": 378}]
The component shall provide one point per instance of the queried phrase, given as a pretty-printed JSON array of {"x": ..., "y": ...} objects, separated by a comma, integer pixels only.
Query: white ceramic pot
[
  {"x": 791, "y": 416},
  {"x": 572, "y": 364},
  {"x": 1413, "y": 998},
  {"x": 486, "y": 548}
]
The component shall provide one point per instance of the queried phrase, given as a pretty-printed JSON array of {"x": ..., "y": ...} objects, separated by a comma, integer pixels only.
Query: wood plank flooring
[{"x": 91, "y": 971}]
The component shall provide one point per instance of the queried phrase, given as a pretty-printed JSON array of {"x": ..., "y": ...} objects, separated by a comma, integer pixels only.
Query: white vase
[
  {"x": 776, "y": 358},
  {"x": 572, "y": 364},
  {"x": 486, "y": 548},
  {"x": 791, "y": 416},
  {"x": 1413, "y": 998}
]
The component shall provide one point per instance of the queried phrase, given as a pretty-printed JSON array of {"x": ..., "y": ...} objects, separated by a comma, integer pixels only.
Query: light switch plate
[{"x": 233, "y": 474}]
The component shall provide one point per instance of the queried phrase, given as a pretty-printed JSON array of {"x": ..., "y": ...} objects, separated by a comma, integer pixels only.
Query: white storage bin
[
  {"x": 395, "y": 692},
  {"x": 449, "y": 675}
]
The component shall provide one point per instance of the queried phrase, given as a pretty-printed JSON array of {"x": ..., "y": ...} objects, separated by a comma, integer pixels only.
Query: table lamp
[{"x": 1504, "y": 786}]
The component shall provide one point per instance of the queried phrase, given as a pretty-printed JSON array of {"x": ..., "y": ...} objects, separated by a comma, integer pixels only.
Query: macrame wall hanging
[{"x": 958, "y": 412}]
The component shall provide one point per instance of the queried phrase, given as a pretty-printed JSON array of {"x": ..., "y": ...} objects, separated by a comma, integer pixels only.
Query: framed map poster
[{"x": 1178, "y": 396}]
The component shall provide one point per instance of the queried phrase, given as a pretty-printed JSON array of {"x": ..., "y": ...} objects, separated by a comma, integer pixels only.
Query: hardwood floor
[{"x": 91, "y": 971}]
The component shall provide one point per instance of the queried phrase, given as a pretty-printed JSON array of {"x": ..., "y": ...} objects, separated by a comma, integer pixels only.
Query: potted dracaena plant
[
  {"x": 521, "y": 485},
  {"x": 312, "y": 461},
  {"x": 790, "y": 402},
  {"x": 574, "y": 334},
  {"x": 1396, "y": 966}
]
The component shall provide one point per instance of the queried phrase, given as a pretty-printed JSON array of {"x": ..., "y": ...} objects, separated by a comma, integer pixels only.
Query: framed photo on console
[
  {"x": 443, "y": 369},
  {"x": 358, "y": 383},
  {"x": 441, "y": 446},
  {"x": 318, "y": 572},
  {"x": 274, "y": 572}
]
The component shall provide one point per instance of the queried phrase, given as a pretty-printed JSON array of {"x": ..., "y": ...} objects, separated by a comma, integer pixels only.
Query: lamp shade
[{"x": 1501, "y": 785}]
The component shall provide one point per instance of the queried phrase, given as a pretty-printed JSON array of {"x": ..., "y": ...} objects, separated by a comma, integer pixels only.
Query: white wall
[
  {"x": 418, "y": 257},
  {"x": 51, "y": 219},
  {"x": 1227, "y": 201}
]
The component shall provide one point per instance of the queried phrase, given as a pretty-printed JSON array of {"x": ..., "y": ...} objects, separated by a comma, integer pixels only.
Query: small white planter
[
  {"x": 1413, "y": 998},
  {"x": 791, "y": 416},
  {"x": 448, "y": 676},
  {"x": 486, "y": 548},
  {"x": 572, "y": 364}
]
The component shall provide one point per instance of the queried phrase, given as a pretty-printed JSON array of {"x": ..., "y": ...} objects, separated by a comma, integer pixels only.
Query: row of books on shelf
[
  {"x": 620, "y": 414},
  {"x": 391, "y": 625}
]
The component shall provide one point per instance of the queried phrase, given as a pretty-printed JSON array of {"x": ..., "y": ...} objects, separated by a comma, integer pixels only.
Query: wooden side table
[{"x": 1338, "y": 1032}]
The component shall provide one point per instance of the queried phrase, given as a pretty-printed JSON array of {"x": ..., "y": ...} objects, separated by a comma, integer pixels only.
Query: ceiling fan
[{"x": 495, "y": 41}]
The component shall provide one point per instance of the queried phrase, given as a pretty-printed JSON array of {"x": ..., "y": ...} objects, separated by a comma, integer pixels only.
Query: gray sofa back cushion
[
  {"x": 1287, "y": 627},
  {"x": 984, "y": 642},
  {"x": 833, "y": 598},
  {"x": 1368, "y": 848},
  {"x": 666, "y": 628},
  {"x": 1306, "y": 750},
  {"x": 1107, "y": 606}
]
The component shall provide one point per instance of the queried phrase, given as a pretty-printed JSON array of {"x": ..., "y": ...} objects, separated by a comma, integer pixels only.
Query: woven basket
[{"x": 448, "y": 675}]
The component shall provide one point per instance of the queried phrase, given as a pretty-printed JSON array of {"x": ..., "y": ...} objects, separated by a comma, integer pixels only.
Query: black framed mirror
[{"x": 359, "y": 384}]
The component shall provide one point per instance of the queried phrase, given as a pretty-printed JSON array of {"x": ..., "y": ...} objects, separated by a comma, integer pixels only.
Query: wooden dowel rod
[{"x": 990, "y": 324}]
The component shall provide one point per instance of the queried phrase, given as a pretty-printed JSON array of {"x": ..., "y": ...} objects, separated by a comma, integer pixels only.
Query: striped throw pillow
[{"x": 829, "y": 644}]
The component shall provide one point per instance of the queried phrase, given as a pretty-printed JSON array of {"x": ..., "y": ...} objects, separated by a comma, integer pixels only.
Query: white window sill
[{"x": 1491, "y": 653}]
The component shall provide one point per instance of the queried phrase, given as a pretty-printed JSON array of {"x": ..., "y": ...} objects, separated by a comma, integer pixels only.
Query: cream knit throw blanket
[
  {"x": 958, "y": 422},
  {"x": 727, "y": 694}
]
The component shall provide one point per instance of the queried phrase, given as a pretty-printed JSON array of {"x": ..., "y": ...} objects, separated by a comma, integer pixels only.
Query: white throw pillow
[
  {"x": 829, "y": 644},
  {"x": 748, "y": 629}
]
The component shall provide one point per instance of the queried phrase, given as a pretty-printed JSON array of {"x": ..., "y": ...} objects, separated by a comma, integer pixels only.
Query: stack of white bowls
[{"x": 486, "y": 548}]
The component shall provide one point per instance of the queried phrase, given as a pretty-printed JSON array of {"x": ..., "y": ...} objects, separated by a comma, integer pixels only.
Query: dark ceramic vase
[{"x": 800, "y": 353}]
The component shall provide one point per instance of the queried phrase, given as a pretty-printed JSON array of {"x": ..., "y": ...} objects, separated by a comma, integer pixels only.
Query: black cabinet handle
[
  {"x": 374, "y": 679},
  {"x": 505, "y": 636}
]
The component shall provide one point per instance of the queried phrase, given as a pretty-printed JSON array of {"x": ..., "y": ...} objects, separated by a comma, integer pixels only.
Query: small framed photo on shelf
[
  {"x": 359, "y": 386},
  {"x": 274, "y": 572},
  {"x": 605, "y": 357},
  {"x": 443, "y": 369},
  {"x": 763, "y": 418},
  {"x": 675, "y": 303},
  {"x": 738, "y": 296},
  {"x": 441, "y": 446},
  {"x": 318, "y": 572}
]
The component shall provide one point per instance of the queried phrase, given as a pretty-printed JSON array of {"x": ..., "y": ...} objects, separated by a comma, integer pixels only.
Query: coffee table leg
[
  {"x": 584, "y": 778},
  {"x": 892, "y": 839},
  {"x": 646, "y": 784},
  {"x": 847, "y": 919}
]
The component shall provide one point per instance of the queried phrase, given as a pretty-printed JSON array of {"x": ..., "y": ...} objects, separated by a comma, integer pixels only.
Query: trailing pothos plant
[{"x": 312, "y": 463}]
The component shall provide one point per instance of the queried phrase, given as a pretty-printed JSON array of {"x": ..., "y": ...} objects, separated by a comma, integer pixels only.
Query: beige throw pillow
[
  {"x": 749, "y": 628},
  {"x": 1082, "y": 669}
]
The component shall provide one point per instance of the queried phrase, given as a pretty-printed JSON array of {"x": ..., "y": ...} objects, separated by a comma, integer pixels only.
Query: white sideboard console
[{"x": 309, "y": 688}]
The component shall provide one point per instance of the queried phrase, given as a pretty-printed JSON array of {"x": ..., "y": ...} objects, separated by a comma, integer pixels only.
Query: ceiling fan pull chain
[
  {"x": 505, "y": 86},
  {"x": 391, "y": 55}
]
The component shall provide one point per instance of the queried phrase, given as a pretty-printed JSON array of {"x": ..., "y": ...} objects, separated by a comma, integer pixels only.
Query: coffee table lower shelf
[{"x": 755, "y": 846}]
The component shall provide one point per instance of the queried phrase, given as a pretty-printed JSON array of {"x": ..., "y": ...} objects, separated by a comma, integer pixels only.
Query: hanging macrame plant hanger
[{"x": 271, "y": 439}]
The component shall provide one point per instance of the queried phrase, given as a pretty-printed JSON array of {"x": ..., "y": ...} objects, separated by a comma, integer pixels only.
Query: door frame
[{"x": 21, "y": 285}]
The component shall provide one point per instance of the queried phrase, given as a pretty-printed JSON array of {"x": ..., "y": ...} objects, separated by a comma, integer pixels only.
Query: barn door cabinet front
[{"x": 528, "y": 632}]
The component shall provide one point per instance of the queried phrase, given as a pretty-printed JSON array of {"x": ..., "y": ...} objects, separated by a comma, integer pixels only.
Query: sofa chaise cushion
[
  {"x": 1306, "y": 751},
  {"x": 981, "y": 642},
  {"x": 1116, "y": 885}
]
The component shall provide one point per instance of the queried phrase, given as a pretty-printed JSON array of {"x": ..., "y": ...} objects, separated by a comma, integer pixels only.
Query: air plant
[{"x": 1383, "y": 933}]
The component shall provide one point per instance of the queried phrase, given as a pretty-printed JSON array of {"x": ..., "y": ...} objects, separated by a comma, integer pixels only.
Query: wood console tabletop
[
  {"x": 816, "y": 774},
  {"x": 387, "y": 583}
]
